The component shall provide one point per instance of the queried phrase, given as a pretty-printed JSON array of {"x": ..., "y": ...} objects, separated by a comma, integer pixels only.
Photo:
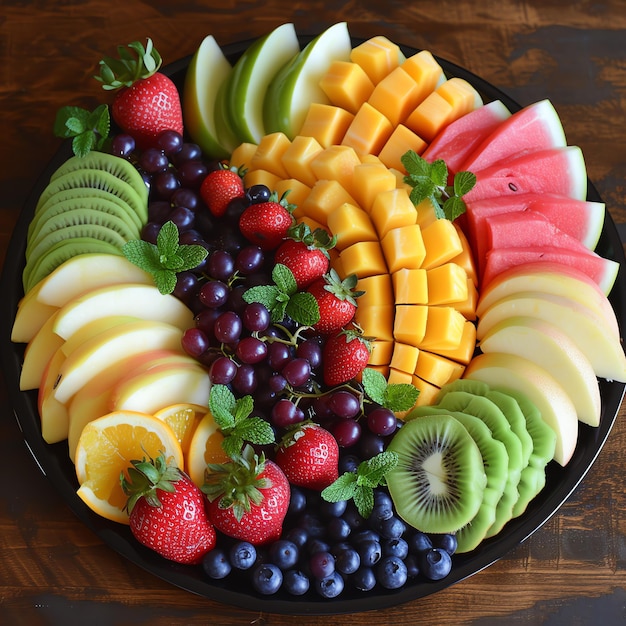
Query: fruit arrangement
[{"x": 332, "y": 336}]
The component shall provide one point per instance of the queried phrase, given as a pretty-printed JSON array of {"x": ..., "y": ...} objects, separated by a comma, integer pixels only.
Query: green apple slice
[
  {"x": 250, "y": 78},
  {"x": 296, "y": 86},
  {"x": 207, "y": 71}
]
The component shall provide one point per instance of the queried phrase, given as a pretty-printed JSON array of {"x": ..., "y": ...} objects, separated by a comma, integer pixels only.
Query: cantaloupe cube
[
  {"x": 297, "y": 192},
  {"x": 338, "y": 163},
  {"x": 410, "y": 323},
  {"x": 383, "y": 369},
  {"x": 241, "y": 156},
  {"x": 376, "y": 321},
  {"x": 465, "y": 350},
  {"x": 326, "y": 123},
  {"x": 364, "y": 258},
  {"x": 335, "y": 258},
  {"x": 398, "y": 377},
  {"x": 400, "y": 182},
  {"x": 466, "y": 258},
  {"x": 425, "y": 71},
  {"x": 442, "y": 243},
  {"x": 261, "y": 177},
  {"x": 425, "y": 213},
  {"x": 404, "y": 357},
  {"x": 378, "y": 291},
  {"x": 403, "y": 247},
  {"x": 297, "y": 159},
  {"x": 350, "y": 224},
  {"x": 368, "y": 180},
  {"x": 377, "y": 56},
  {"x": 430, "y": 116},
  {"x": 325, "y": 197},
  {"x": 447, "y": 284},
  {"x": 461, "y": 95},
  {"x": 368, "y": 131},
  {"x": 467, "y": 308},
  {"x": 444, "y": 329},
  {"x": 269, "y": 153},
  {"x": 395, "y": 96},
  {"x": 380, "y": 353},
  {"x": 436, "y": 369},
  {"x": 392, "y": 209},
  {"x": 410, "y": 286},
  {"x": 347, "y": 85},
  {"x": 371, "y": 159},
  {"x": 401, "y": 140},
  {"x": 428, "y": 392}
]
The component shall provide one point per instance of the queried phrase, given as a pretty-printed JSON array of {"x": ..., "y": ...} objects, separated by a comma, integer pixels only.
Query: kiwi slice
[
  {"x": 500, "y": 427},
  {"x": 475, "y": 387},
  {"x": 120, "y": 168},
  {"x": 79, "y": 217},
  {"x": 438, "y": 484},
  {"x": 61, "y": 252},
  {"x": 96, "y": 179},
  {"x": 84, "y": 195}
]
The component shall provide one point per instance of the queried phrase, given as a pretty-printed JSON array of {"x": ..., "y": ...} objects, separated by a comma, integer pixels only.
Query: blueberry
[
  {"x": 284, "y": 554},
  {"x": 216, "y": 564},
  {"x": 317, "y": 545},
  {"x": 242, "y": 555},
  {"x": 395, "y": 547},
  {"x": 435, "y": 563},
  {"x": 331, "y": 586},
  {"x": 382, "y": 497},
  {"x": 448, "y": 542},
  {"x": 322, "y": 565},
  {"x": 370, "y": 552},
  {"x": 419, "y": 542},
  {"x": 412, "y": 566},
  {"x": 297, "y": 501},
  {"x": 348, "y": 463},
  {"x": 257, "y": 194},
  {"x": 348, "y": 561},
  {"x": 364, "y": 579},
  {"x": 267, "y": 578},
  {"x": 298, "y": 535},
  {"x": 365, "y": 535},
  {"x": 391, "y": 572},
  {"x": 295, "y": 582},
  {"x": 353, "y": 517},
  {"x": 333, "y": 509},
  {"x": 379, "y": 513},
  {"x": 392, "y": 527},
  {"x": 312, "y": 524},
  {"x": 338, "y": 529}
]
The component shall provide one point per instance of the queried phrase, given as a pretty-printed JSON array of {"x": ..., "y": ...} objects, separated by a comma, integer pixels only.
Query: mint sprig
[
  {"x": 395, "y": 397},
  {"x": 430, "y": 181},
  {"x": 89, "y": 129},
  {"x": 165, "y": 259},
  {"x": 359, "y": 486},
  {"x": 283, "y": 298},
  {"x": 232, "y": 415}
]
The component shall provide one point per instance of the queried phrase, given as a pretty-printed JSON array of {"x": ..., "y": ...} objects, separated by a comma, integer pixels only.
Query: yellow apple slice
[
  {"x": 113, "y": 347},
  {"x": 546, "y": 345},
  {"x": 509, "y": 371},
  {"x": 583, "y": 326},
  {"x": 52, "y": 413},
  {"x": 38, "y": 353},
  {"x": 30, "y": 316},
  {"x": 133, "y": 299}
]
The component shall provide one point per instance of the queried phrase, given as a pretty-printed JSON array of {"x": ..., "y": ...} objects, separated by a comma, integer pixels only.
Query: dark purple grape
[
  {"x": 258, "y": 193},
  {"x": 297, "y": 372},
  {"x": 190, "y": 236},
  {"x": 205, "y": 320},
  {"x": 183, "y": 217},
  {"x": 278, "y": 354},
  {"x": 382, "y": 421},
  {"x": 186, "y": 197},
  {"x": 344, "y": 404},
  {"x": 123, "y": 145},
  {"x": 277, "y": 383},
  {"x": 245, "y": 381},
  {"x": 223, "y": 371},
  {"x": 192, "y": 173},
  {"x": 251, "y": 350},
  {"x": 234, "y": 209},
  {"x": 347, "y": 432},
  {"x": 187, "y": 152},
  {"x": 285, "y": 413},
  {"x": 370, "y": 445},
  {"x": 214, "y": 294},
  {"x": 227, "y": 327},
  {"x": 321, "y": 408},
  {"x": 194, "y": 342},
  {"x": 310, "y": 350},
  {"x": 255, "y": 317},
  {"x": 164, "y": 184},
  {"x": 150, "y": 232},
  {"x": 348, "y": 463},
  {"x": 170, "y": 142},
  {"x": 249, "y": 259},
  {"x": 159, "y": 211},
  {"x": 153, "y": 160},
  {"x": 221, "y": 265},
  {"x": 186, "y": 285},
  {"x": 236, "y": 302}
]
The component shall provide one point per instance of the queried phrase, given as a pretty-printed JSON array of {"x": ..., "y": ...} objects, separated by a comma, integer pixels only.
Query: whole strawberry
[
  {"x": 248, "y": 497},
  {"x": 345, "y": 356},
  {"x": 305, "y": 253},
  {"x": 147, "y": 102},
  {"x": 167, "y": 511},
  {"x": 266, "y": 224},
  {"x": 309, "y": 456},
  {"x": 219, "y": 188},
  {"x": 336, "y": 300}
]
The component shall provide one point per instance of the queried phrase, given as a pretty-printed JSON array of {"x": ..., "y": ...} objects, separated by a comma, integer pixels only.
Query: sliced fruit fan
[{"x": 343, "y": 313}]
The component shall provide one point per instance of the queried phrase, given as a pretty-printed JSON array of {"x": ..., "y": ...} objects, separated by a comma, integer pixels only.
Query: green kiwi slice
[
  {"x": 61, "y": 252},
  {"x": 118, "y": 167},
  {"x": 440, "y": 479}
]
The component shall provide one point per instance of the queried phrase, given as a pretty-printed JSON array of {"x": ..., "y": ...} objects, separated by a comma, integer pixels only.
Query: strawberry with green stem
[
  {"x": 220, "y": 187},
  {"x": 266, "y": 224},
  {"x": 345, "y": 356}
]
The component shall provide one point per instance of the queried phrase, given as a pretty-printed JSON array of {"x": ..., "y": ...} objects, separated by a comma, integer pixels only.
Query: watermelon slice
[
  {"x": 457, "y": 140},
  {"x": 555, "y": 170},
  {"x": 535, "y": 127},
  {"x": 602, "y": 271}
]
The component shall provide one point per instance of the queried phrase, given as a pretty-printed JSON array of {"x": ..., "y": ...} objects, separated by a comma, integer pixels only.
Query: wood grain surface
[{"x": 54, "y": 570}]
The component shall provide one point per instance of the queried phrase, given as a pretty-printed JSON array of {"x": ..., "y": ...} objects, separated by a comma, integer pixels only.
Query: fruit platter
[{"x": 315, "y": 324}]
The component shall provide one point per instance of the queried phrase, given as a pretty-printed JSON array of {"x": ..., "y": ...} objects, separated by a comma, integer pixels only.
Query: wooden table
[{"x": 53, "y": 569}]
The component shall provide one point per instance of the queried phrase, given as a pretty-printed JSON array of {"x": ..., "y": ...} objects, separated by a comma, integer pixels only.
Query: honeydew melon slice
[
  {"x": 297, "y": 84},
  {"x": 246, "y": 87}
]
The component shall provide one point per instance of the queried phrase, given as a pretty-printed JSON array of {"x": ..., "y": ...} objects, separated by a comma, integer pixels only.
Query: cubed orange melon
[
  {"x": 398, "y": 377},
  {"x": 442, "y": 243},
  {"x": 368, "y": 131},
  {"x": 403, "y": 247},
  {"x": 400, "y": 141},
  {"x": 261, "y": 177},
  {"x": 425, "y": 71},
  {"x": 404, "y": 357},
  {"x": 447, "y": 284},
  {"x": 369, "y": 180},
  {"x": 466, "y": 258},
  {"x": 242, "y": 155},
  {"x": 364, "y": 258},
  {"x": 431, "y": 116},
  {"x": 347, "y": 85},
  {"x": 297, "y": 159},
  {"x": 444, "y": 329},
  {"x": 465, "y": 350},
  {"x": 336, "y": 162},
  {"x": 392, "y": 209},
  {"x": 410, "y": 323},
  {"x": 325, "y": 197},
  {"x": 410, "y": 286},
  {"x": 396, "y": 95},
  {"x": 426, "y": 213},
  {"x": 350, "y": 224},
  {"x": 380, "y": 352},
  {"x": 296, "y": 191},
  {"x": 467, "y": 308},
  {"x": 427, "y": 392},
  {"x": 376, "y": 321},
  {"x": 377, "y": 56},
  {"x": 326, "y": 123},
  {"x": 269, "y": 154},
  {"x": 436, "y": 369},
  {"x": 460, "y": 95},
  {"x": 378, "y": 291}
]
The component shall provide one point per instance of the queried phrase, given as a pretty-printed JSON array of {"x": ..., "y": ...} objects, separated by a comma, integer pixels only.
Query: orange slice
[
  {"x": 205, "y": 447},
  {"x": 183, "y": 418},
  {"x": 105, "y": 449}
]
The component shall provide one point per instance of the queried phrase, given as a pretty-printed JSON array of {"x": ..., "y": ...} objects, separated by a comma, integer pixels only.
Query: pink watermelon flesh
[
  {"x": 535, "y": 127},
  {"x": 602, "y": 271},
  {"x": 461, "y": 137},
  {"x": 555, "y": 170}
]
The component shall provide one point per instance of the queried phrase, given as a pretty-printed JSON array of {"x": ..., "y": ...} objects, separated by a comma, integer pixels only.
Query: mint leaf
[
  {"x": 284, "y": 279},
  {"x": 222, "y": 405},
  {"x": 341, "y": 489},
  {"x": 396, "y": 397},
  {"x": 167, "y": 241},
  {"x": 375, "y": 384},
  {"x": 364, "y": 500},
  {"x": 89, "y": 130},
  {"x": 464, "y": 182},
  {"x": 267, "y": 295},
  {"x": 303, "y": 307},
  {"x": 372, "y": 472}
]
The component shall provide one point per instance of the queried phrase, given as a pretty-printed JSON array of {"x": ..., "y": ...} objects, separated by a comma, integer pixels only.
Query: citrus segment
[
  {"x": 205, "y": 447},
  {"x": 183, "y": 419}
]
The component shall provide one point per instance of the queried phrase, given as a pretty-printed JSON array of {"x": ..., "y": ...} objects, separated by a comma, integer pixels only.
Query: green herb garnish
[
  {"x": 89, "y": 129},
  {"x": 395, "y": 397}
]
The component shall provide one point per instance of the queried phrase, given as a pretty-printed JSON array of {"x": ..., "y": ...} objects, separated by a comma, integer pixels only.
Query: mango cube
[
  {"x": 447, "y": 284},
  {"x": 392, "y": 209},
  {"x": 336, "y": 162},
  {"x": 403, "y": 247},
  {"x": 436, "y": 369},
  {"x": 350, "y": 224},
  {"x": 428, "y": 392},
  {"x": 325, "y": 197},
  {"x": 378, "y": 291},
  {"x": 296, "y": 191},
  {"x": 461, "y": 95},
  {"x": 398, "y": 377},
  {"x": 444, "y": 329},
  {"x": 431, "y": 116},
  {"x": 465, "y": 259},
  {"x": 369, "y": 180},
  {"x": 368, "y": 131},
  {"x": 241, "y": 156},
  {"x": 425, "y": 213},
  {"x": 346, "y": 85},
  {"x": 404, "y": 357},
  {"x": 410, "y": 323},
  {"x": 261, "y": 177},
  {"x": 410, "y": 286},
  {"x": 467, "y": 308},
  {"x": 442, "y": 243},
  {"x": 326, "y": 123},
  {"x": 297, "y": 159},
  {"x": 376, "y": 321},
  {"x": 464, "y": 352},
  {"x": 269, "y": 153},
  {"x": 364, "y": 258},
  {"x": 377, "y": 56},
  {"x": 425, "y": 71},
  {"x": 381, "y": 352},
  {"x": 395, "y": 96},
  {"x": 400, "y": 141}
]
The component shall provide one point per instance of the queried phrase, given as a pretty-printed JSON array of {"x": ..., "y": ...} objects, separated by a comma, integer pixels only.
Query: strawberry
[
  {"x": 167, "y": 511},
  {"x": 220, "y": 187},
  {"x": 309, "y": 456},
  {"x": 305, "y": 253},
  {"x": 336, "y": 300},
  {"x": 345, "y": 356},
  {"x": 147, "y": 102},
  {"x": 248, "y": 497},
  {"x": 266, "y": 224}
]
